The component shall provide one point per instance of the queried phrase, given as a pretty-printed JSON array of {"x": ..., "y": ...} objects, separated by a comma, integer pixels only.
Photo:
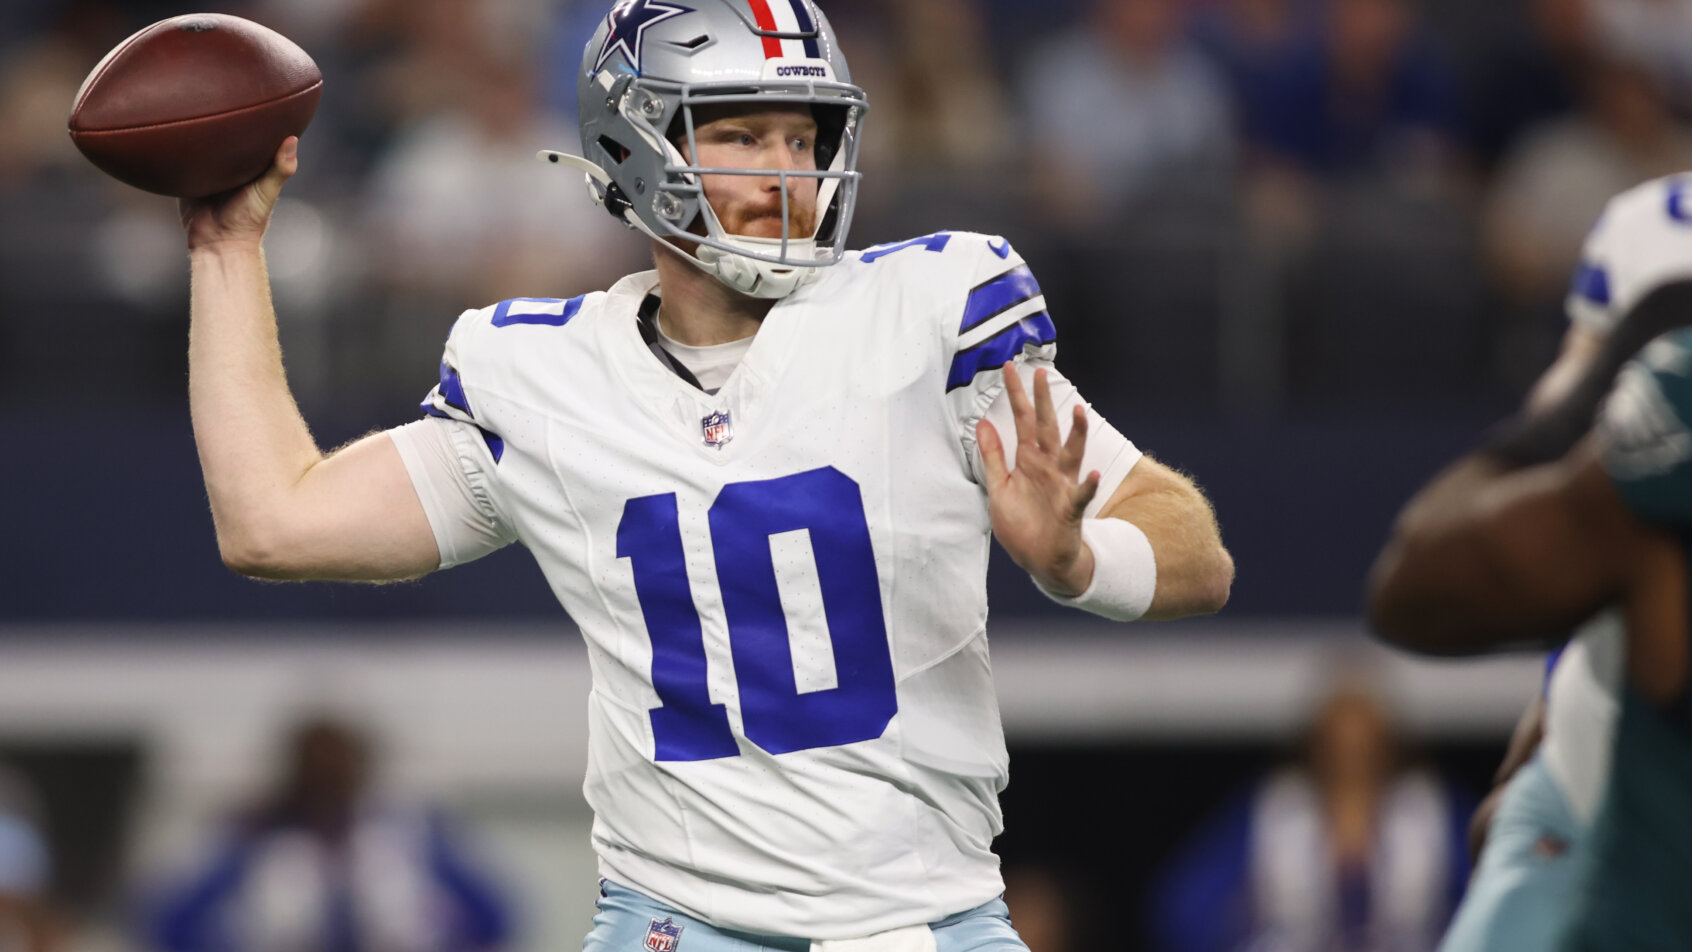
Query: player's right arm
[{"x": 282, "y": 508}]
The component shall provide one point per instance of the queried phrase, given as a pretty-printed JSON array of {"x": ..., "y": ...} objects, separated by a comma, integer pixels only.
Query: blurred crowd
[
  {"x": 1346, "y": 836},
  {"x": 1252, "y": 207}
]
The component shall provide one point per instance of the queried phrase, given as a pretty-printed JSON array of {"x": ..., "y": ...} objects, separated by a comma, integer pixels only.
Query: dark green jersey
[
  {"x": 1638, "y": 891},
  {"x": 1646, "y": 432}
]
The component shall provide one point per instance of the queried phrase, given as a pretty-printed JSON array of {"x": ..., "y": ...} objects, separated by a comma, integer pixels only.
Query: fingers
[
  {"x": 992, "y": 453},
  {"x": 1082, "y": 496},
  {"x": 281, "y": 170},
  {"x": 288, "y": 156},
  {"x": 1045, "y": 416},
  {"x": 1021, "y": 410},
  {"x": 1075, "y": 447}
]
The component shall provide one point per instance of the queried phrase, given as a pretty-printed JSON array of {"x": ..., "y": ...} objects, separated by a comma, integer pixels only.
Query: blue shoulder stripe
[
  {"x": 452, "y": 389},
  {"x": 502, "y": 316},
  {"x": 1592, "y": 282},
  {"x": 1036, "y": 329},
  {"x": 1551, "y": 667},
  {"x": 997, "y": 295},
  {"x": 496, "y": 446}
]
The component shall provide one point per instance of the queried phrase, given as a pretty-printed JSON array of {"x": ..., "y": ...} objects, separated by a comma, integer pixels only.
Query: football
[{"x": 194, "y": 105}]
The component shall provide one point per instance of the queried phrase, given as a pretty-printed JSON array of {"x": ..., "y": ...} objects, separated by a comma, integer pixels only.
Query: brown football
[{"x": 194, "y": 105}]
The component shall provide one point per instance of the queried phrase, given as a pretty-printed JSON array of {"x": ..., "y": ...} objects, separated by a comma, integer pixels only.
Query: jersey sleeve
[
  {"x": 1645, "y": 432},
  {"x": 1642, "y": 240},
  {"x": 452, "y": 455},
  {"x": 450, "y": 467},
  {"x": 999, "y": 314}
]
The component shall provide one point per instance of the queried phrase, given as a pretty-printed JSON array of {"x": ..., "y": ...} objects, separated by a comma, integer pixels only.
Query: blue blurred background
[{"x": 1305, "y": 250}]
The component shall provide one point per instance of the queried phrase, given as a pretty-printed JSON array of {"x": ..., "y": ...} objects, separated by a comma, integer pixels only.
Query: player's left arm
[
  {"x": 1194, "y": 570},
  {"x": 1518, "y": 543},
  {"x": 1489, "y": 557},
  {"x": 1039, "y": 505}
]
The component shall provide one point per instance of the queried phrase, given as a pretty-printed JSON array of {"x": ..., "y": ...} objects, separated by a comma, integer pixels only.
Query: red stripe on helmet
[{"x": 766, "y": 21}]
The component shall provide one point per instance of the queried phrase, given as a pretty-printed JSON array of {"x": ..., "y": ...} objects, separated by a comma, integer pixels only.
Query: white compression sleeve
[{"x": 446, "y": 460}]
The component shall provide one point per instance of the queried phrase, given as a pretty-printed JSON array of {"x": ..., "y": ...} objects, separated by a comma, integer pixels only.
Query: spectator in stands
[
  {"x": 1347, "y": 850},
  {"x": 942, "y": 153},
  {"x": 324, "y": 865},
  {"x": 1120, "y": 103},
  {"x": 1657, "y": 34},
  {"x": 1528, "y": 76},
  {"x": 27, "y": 923},
  {"x": 1356, "y": 87}
]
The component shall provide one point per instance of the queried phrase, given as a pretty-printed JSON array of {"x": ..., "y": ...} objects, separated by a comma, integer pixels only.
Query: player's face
[{"x": 773, "y": 138}]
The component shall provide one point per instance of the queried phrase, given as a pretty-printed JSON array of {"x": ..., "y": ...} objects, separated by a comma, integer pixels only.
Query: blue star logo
[{"x": 628, "y": 22}]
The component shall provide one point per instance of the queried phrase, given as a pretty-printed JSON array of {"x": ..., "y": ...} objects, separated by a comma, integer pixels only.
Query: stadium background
[{"x": 1306, "y": 251}]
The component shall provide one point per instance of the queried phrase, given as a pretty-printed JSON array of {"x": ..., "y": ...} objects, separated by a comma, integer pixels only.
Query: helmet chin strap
[{"x": 759, "y": 279}]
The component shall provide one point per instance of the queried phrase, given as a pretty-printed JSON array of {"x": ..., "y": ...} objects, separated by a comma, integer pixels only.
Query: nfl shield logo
[
  {"x": 719, "y": 429},
  {"x": 663, "y": 936}
]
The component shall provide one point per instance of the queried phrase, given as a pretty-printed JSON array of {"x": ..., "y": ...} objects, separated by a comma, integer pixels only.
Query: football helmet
[{"x": 651, "y": 63}]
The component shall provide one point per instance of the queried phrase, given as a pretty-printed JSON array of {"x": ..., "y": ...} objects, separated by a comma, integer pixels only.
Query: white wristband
[{"x": 1124, "y": 571}]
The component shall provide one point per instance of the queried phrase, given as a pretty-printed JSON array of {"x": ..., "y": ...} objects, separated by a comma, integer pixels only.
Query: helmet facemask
[
  {"x": 652, "y": 64},
  {"x": 762, "y": 267}
]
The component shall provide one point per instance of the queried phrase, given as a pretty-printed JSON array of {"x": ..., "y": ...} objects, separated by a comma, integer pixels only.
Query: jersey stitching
[{"x": 980, "y": 631}]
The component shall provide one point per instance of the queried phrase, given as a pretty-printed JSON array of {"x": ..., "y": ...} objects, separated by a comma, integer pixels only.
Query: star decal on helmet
[{"x": 628, "y": 22}]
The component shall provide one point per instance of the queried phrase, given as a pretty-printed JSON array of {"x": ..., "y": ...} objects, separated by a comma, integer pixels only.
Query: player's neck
[{"x": 698, "y": 309}]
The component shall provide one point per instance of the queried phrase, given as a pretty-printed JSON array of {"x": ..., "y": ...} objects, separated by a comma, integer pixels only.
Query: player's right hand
[{"x": 240, "y": 216}]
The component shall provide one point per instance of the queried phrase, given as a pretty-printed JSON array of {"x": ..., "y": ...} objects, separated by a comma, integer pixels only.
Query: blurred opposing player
[
  {"x": 761, "y": 478},
  {"x": 1550, "y": 543},
  {"x": 1554, "y": 774}
]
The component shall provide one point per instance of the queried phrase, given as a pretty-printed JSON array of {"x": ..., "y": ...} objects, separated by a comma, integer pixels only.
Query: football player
[
  {"x": 762, "y": 478},
  {"x": 1547, "y": 532}
]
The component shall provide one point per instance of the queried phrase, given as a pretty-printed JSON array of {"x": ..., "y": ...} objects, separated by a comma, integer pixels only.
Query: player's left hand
[{"x": 1037, "y": 507}]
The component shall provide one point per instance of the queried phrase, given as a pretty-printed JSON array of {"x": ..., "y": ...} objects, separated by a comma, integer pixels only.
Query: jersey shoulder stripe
[
  {"x": 997, "y": 295},
  {"x": 452, "y": 390},
  {"x": 1035, "y": 330},
  {"x": 475, "y": 339}
]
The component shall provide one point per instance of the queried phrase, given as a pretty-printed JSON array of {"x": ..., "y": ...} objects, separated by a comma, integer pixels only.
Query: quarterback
[{"x": 762, "y": 478}]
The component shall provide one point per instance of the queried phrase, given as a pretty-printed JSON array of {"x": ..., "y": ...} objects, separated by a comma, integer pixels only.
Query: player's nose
[{"x": 779, "y": 159}]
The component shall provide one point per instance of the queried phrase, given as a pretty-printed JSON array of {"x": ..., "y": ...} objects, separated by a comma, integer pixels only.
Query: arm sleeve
[
  {"x": 449, "y": 462},
  {"x": 1642, "y": 241},
  {"x": 1644, "y": 436}
]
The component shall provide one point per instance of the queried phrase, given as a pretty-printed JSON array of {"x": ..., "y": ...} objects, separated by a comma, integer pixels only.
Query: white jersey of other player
[
  {"x": 1642, "y": 240},
  {"x": 793, "y": 726}
]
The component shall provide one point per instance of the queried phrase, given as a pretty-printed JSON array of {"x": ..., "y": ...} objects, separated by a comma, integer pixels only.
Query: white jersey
[
  {"x": 1582, "y": 703},
  {"x": 793, "y": 726},
  {"x": 1642, "y": 240}
]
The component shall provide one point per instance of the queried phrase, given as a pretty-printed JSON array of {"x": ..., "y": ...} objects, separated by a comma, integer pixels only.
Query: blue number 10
[{"x": 774, "y": 714}]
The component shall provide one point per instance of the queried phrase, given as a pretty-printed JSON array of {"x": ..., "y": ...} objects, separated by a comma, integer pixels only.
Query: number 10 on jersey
[{"x": 774, "y": 714}]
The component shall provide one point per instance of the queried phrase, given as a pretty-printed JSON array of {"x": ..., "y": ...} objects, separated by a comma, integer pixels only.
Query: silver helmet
[{"x": 652, "y": 63}]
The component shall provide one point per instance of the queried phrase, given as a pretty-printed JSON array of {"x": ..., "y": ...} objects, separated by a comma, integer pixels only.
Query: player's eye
[{"x": 801, "y": 144}]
